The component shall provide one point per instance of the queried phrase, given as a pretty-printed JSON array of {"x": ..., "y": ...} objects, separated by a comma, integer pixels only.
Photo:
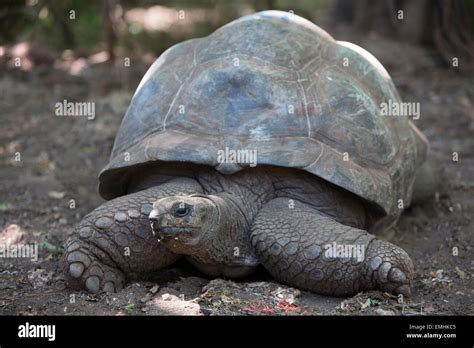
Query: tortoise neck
[{"x": 246, "y": 191}]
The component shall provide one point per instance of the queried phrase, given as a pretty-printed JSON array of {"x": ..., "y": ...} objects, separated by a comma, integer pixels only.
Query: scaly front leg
[
  {"x": 114, "y": 242},
  {"x": 304, "y": 248}
]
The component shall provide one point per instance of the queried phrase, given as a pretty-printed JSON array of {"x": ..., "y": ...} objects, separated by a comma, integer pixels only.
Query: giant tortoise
[{"x": 260, "y": 144}]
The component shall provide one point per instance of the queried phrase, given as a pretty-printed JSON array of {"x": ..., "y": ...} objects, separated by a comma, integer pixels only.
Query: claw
[{"x": 395, "y": 273}]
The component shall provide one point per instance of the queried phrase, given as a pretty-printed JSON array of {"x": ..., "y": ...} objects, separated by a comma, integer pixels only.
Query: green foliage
[
  {"x": 51, "y": 24},
  {"x": 69, "y": 24},
  {"x": 51, "y": 248},
  {"x": 47, "y": 23},
  {"x": 4, "y": 206},
  {"x": 470, "y": 14},
  {"x": 130, "y": 307}
]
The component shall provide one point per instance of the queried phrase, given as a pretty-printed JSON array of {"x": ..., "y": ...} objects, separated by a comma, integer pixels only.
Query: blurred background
[{"x": 75, "y": 33}]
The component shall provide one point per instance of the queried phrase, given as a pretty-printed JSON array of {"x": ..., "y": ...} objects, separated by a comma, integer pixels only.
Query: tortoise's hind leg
[
  {"x": 301, "y": 247},
  {"x": 428, "y": 180},
  {"x": 114, "y": 242}
]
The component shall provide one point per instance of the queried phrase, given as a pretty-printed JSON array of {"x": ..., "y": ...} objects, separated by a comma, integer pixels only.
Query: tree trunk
[{"x": 446, "y": 25}]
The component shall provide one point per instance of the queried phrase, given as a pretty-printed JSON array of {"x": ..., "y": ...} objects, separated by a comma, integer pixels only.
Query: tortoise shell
[{"x": 277, "y": 84}]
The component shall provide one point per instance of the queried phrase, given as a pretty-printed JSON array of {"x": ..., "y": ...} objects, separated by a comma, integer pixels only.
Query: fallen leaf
[
  {"x": 460, "y": 273},
  {"x": 56, "y": 194},
  {"x": 366, "y": 304},
  {"x": 375, "y": 302},
  {"x": 154, "y": 289},
  {"x": 130, "y": 306},
  {"x": 51, "y": 247}
]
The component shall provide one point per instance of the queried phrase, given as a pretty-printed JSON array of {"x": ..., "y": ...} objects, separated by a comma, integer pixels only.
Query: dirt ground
[{"x": 61, "y": 157}]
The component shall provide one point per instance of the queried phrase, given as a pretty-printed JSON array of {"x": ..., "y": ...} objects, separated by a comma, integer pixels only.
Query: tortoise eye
[{"x": 181, "y": 211}]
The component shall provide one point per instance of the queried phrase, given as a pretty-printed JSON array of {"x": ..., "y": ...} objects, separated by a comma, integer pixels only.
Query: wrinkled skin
[{"x": 225, "y": 225}]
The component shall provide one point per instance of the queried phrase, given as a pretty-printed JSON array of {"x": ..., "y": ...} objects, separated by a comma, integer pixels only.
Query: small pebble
[
  {"x": 380, "y": 311},
  {"x": 206, "y": 311}
]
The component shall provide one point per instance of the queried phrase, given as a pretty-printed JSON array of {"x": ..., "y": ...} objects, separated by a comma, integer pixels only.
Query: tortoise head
[{"x": 181, "y": 222}]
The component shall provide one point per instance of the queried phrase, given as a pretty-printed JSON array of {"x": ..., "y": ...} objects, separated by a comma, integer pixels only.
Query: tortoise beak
[
  {"x": 154, "y": 215},
  {"x": 163, "y": 233},
  {"x": 155, "y": 220}
]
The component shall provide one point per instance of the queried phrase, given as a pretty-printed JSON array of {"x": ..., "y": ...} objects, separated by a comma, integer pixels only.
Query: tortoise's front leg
[
  {"x": 304, "y": 248},
  {"x": 114, "y": 242}
]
